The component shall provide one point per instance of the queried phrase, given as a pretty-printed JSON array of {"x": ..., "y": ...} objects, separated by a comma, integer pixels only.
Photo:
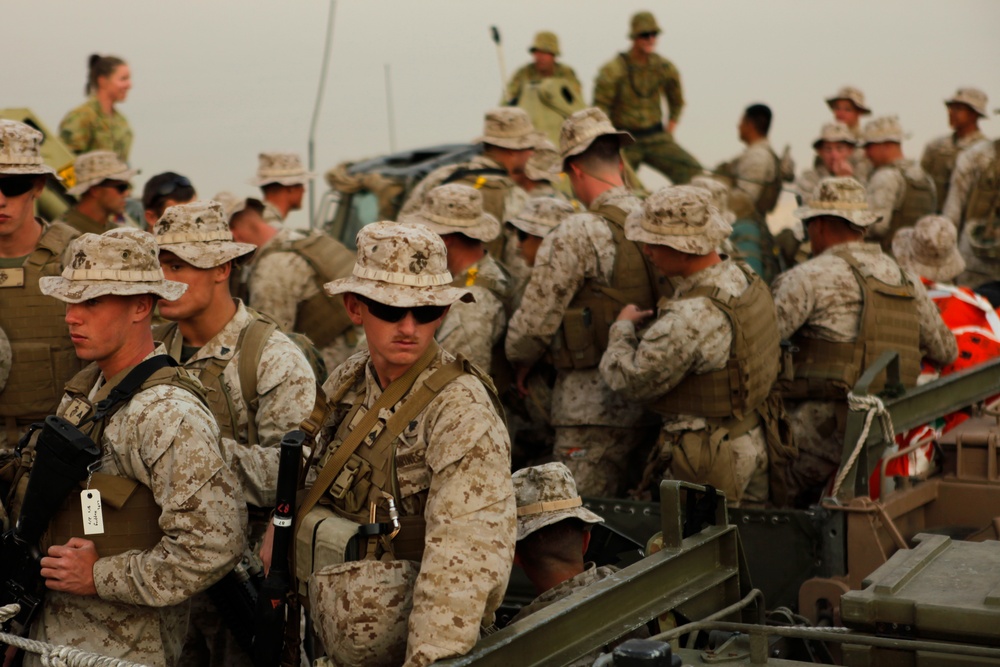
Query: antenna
[
  {"x": 495, "y": 31},
  {"x": 315, "y": 118},
  {"x": 390, "y": 115}
]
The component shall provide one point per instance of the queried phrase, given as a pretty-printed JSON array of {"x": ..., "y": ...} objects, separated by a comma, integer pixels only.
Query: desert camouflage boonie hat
[
  {"x": 881, "y": 130},
  {"x": 682, "y": 217},
  {"x": 544, "y": 164},
  {"x": 198, "y": 233},
  {"x": 719, "y": 193},
  {"x": 280, "y": 168},
  {"x": 835, "y": 133},
  {"x": 929, "y": 249},
  {"x": 540, "y": 215},
  {"x": 545, "y": 495},
  {"x": 455, "y": 209},
  {"x": 643, "y": 22},
  {"x": 231, "y": 204},
  {"x": 122, "y": 261},
  {"x": 401, "y": 265},
  {"x": 545, "y": 41},
  {"x": 95, "y": 167},
  {"x": 973, "y": 98},
  {"x": 508, "y": 127},
  {"x": 21, "y": 150},
  {"x": 852, "y": 95},
  {"x": 582, "y": 128},
  {"x": 840, "y": 197}
]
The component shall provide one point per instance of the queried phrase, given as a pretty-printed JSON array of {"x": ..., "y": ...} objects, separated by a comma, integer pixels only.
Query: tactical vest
[
  {"x": 493, "y": 184},
  {"x": 771, "y": 191},
  {"x": 584, "y": 331},
  {"x": 370, "y": 472},
  {"x": 43, "y": 355},
  {"x": 742, "y": 386},
  {"x": 938, "y": 163},
  {"x": 918, "y": 201},
  {"x": 984, "y": 199},
  {"x": 131, "y": 515},
  {"x": 321, "y": 317},
  {"x": 824, "y": 370},
  {"x": 549, "y": 101}
]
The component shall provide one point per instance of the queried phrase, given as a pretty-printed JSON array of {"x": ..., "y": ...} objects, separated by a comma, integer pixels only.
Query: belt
[{"x": 641, "y": 132}]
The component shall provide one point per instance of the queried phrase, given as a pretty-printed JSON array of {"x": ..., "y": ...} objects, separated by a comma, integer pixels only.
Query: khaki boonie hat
[
  {"x": 198, "y": 233},
  {"x": 929, "y": 249},
  {"x": 508, "y": 127},
  {"x": 682, "y": 217},
  {"x": 545, "y": 41},
  {"x": 281, "y": 168},
  {"x": 643, "y": 22},
  {"x": 231, "y": 204},
  {"x": 544, "y": 163},
  {"x": 835, "y": 133},
  {"x": 851, "y": 94},
  {"x": 883, "y": 129},
  {"x": 455, "y": 209},
  {"x": 401, "y": 265},
  {"x": 840, "y": 197},
  {"x": 540, "y": 215},
  {"x": 21, "y": 150},
  {"x": 545, "y": 495},
  {"x": 122, "y": 261},
  {"x": 974, "y": 98},
  {"x": 582, "y": 128},
  {"x": 95, "y": 167},
  {"x": 719, "y": 193}
]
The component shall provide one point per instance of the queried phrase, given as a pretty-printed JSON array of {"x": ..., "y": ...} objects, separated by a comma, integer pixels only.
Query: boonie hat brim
[
  {"x": 700, "y": 241},
  {"x": 485, "y": 229},
  {"x": 945, "y": 270},
  {"x": 526, "y": 525},
  {"x": 394, "y": 294},
  {"x": 28, "y": 170},
  {"x": 859, "y": 218},
  {"x": 78, "y": 291},
  {"x": 207, "y": 255},
  {"x": 83, "y": 186}
]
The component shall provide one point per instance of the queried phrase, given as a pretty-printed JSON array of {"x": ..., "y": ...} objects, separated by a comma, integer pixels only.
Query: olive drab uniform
[
  {"x": 902, "y": 194},
  {"x": 938, "y": 161},
  {"x": 83, "y": 223},
  {"x": 841, "y": 310},
  {"x": 549, "y": 100},
  {"x": 87, "y": 128},
  {"x": 433, "y": 443},
  {"x": 576, "y": 289},
  {"x": 43, "y": 355}
]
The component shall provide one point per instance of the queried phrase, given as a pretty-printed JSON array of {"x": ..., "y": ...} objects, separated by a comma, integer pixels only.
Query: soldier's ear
[{"x": 353, "y": 306}]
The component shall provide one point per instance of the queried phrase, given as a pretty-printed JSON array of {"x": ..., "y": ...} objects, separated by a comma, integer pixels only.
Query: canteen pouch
[
  {"x": 320, "y": 542},
  {"x": 579, "y": 348}
]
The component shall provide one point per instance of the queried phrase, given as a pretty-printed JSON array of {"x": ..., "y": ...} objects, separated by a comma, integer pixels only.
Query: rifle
[
  {"x": 62, "y": 457},
  {"x": 272, "y": 600}
]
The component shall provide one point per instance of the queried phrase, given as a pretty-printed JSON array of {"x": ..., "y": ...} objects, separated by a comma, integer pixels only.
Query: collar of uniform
[
  {"x": 373, "y": 389},
  {"x": 481, "y": 161},
  {"x": 118, "y": 377},
  {"x": 707, "y": 275},
  {"x": 855, "y": 247},
  {"x": 760, "y": 143},
  {"x": 223, "y": 344},
  {"x": 611, "y": 197}
]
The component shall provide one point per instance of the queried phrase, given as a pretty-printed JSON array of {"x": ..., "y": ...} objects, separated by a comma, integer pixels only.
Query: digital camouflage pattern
[
  {"x": 474, "y": 329},
  {"x": 94, "y": 167},
  {"x": 719, "y": 193},
  {"x": 508, "y": 127},
  {"x": 754, "y": 169},
  {"x": 279, "y": 281},
  {"x": 939, "y": 158},
  {"x": 682, "y": 217},
  {"x": 419, "y": 192},
  {"x": 689, "y": 336},
  {"x": 841, "y": 197},
  {"x": 929, "y": 249},
  {"x": 884, "y": 129},
  {"x": 852, "y": 95},
  {"x": 88, "y": 128},
  {"x": 198, "y": 233},
  {"x": 969, "y": 166},
  {"x": 21, "y": 150},
  {"x": 281, "y": 168},
  {"x": 546, "y": 494},
  {"x": 455, "y": 208},
  {"x": 540, "y": 215},
  {"x": 166, "y": 439},
  {"x": 453, "y": 465},
  {"x": 887, "y": 192}
]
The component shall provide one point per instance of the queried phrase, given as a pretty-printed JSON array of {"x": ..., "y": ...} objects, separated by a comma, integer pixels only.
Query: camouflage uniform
[
  {"x": 974, "y": 165},
  {"x": 166, "y": 439},
  {"x": 282, "y": 169},
  {"x": 91, "y": 169},
  {"x": 451, "y": 461},
  {"x": 940, "y": 154},
  {"x": 595, "y": 427},
  {"x": 441, "y": 174},
  {"x": 279, "y": 281},
  {"x": 529, "y": 74},
  {"x": 474, "y": 329},
  {"x": 630, "y": 94},
  {"x": 887, "y": 191},
  {"x": 88, "y": 128},
  {"x": 755, "y": 168}
]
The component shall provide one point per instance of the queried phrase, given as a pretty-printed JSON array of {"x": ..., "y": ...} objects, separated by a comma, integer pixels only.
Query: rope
[
  {"x": 56, "y": 656},
  {"x": 873, "y": 406}
]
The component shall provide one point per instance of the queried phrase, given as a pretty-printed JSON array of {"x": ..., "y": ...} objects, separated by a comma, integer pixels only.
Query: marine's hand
[
  {"x": 266, "y": 546},
  {"x": 521, "y": 377},
  {"x": 843, "y": 168},
  {"x": 70, "y": 568},
  {"x": 632, "y": 314},
  {"x": 671, "y": 126}
]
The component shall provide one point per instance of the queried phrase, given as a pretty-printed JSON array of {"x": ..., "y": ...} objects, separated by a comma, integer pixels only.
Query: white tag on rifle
[{"x": 93, "y": 518}]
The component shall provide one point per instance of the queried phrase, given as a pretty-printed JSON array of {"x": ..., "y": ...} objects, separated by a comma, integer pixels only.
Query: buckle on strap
[{"x": 345, "y": 479}]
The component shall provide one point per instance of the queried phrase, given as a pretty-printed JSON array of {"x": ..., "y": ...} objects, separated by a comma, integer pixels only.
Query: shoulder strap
[
  {"x": 251, "y": 346},
  {"x": 53, "y": 242},
  {"x": 128, "y": 386}
]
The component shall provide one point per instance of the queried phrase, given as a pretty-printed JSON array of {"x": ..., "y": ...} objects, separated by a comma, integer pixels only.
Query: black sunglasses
[
  {"x": 422, "y": 314},
  {"x": 647, "y": 35},
  {"x": 173, "y": 184},
  {"x": 16, "y": 186},
  {"x": 120, "y": 187}
]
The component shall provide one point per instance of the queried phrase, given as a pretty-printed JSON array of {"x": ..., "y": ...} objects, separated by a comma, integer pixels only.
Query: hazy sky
[{"x": 215, "y": 82}]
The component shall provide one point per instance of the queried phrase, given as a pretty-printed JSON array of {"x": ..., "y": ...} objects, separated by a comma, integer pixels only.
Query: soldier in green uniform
[
  {"x": 629, "y": 89},
  {"x": 96, "y": 124}
]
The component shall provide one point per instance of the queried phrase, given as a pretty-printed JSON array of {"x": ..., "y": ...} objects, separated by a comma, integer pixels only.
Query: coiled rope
[{"x": 874, "y": 407}]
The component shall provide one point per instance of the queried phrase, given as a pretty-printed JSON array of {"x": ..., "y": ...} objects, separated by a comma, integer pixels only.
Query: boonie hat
[
  {"x": 455, "y": 209},
  {"x": 280, "y": 168},
  {"x": 851, "y": 94},
  {"x": 401, "y": 265},
  {"x": 122, "y": 261},
  {"x": 545, "y": 41},
  {"x": 974, "y": 98},
  {"x": 508, "y": 127},
  {"x": 95, "y": 167},
  {"x": 643, "y": 22},
  {"x": 682, "y": 217},
  {"x": 719, "y": 193},
  {"x": 540, "y": 215},
  {"x": 835, "y": 133},
  {"x": 582, "y": 128},
  {"x": 929, "y": 249},
  {"x": 883, "y": 129},
  {"x": 231, "y": 204},
  {"x": 199, "y": 234},
  {"x": 545, "y": 495},
  {"x": 21, "y": 150},
  {"x": 543, "y": 165},
  {"x": 840, "y": 197}
]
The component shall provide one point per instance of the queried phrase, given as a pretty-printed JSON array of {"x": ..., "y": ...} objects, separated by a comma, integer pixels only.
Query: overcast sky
[{"x": 216, "y": 82}]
